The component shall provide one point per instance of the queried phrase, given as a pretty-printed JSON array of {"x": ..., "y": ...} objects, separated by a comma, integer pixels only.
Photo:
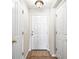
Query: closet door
[
  {"x": 17, "y": 32},
  {"x": 61, "y": 35}
]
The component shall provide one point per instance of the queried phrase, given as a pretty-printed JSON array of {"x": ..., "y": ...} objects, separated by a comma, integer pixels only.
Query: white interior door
[
  {"x": 39, "y": 35},
  {"x": 17, "y": 29},
  {"x": 61, "y": 36},
  {"x": 17, "y": 48}
]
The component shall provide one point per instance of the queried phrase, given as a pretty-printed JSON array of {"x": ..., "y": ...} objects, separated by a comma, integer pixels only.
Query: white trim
[{"x": 60, "y": 4}]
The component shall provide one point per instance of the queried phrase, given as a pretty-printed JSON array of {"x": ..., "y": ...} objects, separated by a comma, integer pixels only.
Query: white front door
[{"x": 39, "y": 37}]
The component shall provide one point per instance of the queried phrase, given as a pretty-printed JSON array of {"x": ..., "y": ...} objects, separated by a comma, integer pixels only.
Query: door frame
[{"x": 30, "y": 25}]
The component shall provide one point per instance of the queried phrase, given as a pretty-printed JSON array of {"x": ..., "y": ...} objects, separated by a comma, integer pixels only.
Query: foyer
[{"x": 39, "y": 29}]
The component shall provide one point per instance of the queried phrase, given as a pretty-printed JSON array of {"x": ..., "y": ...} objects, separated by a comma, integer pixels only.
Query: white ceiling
[{"x": 47, "y": 3}]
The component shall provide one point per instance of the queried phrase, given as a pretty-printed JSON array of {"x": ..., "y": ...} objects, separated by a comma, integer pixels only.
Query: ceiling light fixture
[{"x": 39, "y": 3}]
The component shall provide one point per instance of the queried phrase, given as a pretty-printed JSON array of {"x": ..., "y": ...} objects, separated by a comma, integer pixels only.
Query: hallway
[
  {"x": 39, "y": 29},
  {"x": 40, "y": 54}
]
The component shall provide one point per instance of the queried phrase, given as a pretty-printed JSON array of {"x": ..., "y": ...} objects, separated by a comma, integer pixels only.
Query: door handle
[{"x": 13, "y": 41}]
